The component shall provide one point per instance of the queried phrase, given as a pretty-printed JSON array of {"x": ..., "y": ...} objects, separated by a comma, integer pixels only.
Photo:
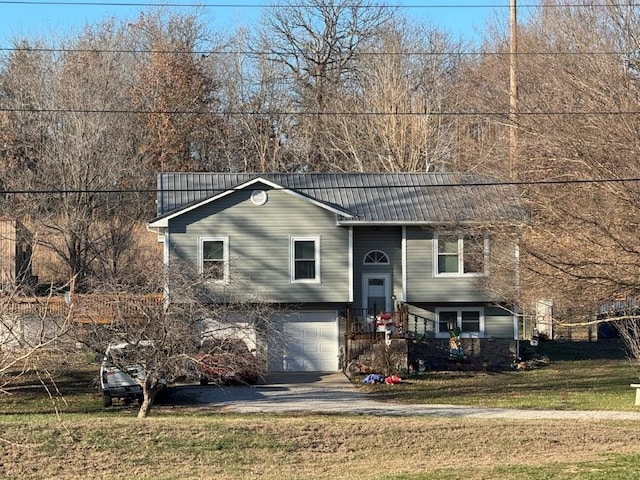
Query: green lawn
[
  {"x": 567, "y": 385},
  {"x": 580, "y": 376}
]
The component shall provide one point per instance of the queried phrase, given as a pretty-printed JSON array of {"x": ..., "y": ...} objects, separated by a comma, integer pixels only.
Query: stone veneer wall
[{"x": 480, "y": 354}]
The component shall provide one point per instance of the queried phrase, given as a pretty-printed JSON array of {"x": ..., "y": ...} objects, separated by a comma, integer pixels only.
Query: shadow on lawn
[
  {"x": 66, "y": 386},
  {"x": 558, "y": 350}
]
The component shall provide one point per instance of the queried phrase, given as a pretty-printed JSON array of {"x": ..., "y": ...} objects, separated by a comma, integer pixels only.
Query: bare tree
[
  {"x": 25, "y": 75},
  {"x": 76, "y": 144},
  {"x": 259, "y": 118},
  {"x": 165, "y": 333},
  {"x": 397, "y": 117},
  {"x": 319, "y": 43},
  {"x": 481, "y": 128},
  {"x": 176, "y": 92},
  {"x": 33, "y": 330},
  {"x": 84, "y": 161},
  {"x": 576, "y": 151}
]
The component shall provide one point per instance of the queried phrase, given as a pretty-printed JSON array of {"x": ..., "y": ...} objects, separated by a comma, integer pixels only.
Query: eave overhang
[
  {"x": 422, "y": 223},
  {"x": 163, "y": 220}
]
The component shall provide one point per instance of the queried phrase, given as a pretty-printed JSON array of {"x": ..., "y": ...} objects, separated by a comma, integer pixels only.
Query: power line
[
  {"x": 267, "y": 53},
  {"x": 520, "y": 183},
  {"x": 247, "y": 5},
  {"x": 319, "y": 113},
  {"x": 294, "y": 5}
]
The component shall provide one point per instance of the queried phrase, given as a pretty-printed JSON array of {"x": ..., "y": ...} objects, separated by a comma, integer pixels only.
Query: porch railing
[
  {"x": 362, "y": 322},
  {"x": 366, "y": 328},
  {"x": 399, "y": 323}
]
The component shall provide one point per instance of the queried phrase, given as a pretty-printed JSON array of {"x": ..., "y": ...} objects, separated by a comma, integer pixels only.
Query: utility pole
[
  {"x": 513, "y": 150},
  {"x": 513, "y": 90}
]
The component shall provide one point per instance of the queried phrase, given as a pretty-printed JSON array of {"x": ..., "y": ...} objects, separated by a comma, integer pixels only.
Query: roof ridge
[{"x": 412, "y": 197}]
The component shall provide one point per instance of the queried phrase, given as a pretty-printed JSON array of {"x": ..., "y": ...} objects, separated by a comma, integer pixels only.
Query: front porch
[{"x": 404, "y": 342}]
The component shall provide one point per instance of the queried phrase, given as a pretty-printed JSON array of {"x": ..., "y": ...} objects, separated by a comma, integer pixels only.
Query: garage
[{"x": 308, "y": 343}]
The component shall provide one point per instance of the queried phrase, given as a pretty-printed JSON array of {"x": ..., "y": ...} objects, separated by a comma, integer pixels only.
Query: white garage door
[{"x": 309, "y": 343}]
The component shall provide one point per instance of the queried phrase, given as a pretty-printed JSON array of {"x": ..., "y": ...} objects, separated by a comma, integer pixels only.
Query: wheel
[
  {"x": 353, "y": 368},
  {"x": 107, "y": 401}
]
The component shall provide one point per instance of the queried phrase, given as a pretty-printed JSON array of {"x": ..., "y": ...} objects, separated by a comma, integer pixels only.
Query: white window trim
[
  {"x": 225, "y": 256},
  {"x": 292, "y": 260},
  {"x": 459, "y": 311},
  {"x": 460, "y": 272}
]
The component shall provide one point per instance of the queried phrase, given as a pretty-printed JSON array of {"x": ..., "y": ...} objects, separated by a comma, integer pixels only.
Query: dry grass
[
  {"x": 310, "y": 447},
  {"x": 201, "y": 443}
]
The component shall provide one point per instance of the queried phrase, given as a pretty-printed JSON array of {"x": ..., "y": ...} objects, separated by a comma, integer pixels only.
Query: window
[
  {"x": 259, "y": 197},
  {"x": 470, "y": 321},
  {"x": 214, "y": 258},
  {"x": 376, "y": 257},
  {"x": 305, "y": 260},
  {"x": 448, "y": 254},
  {"x": 459, "y": 254},
  {"x": 447, "y": 321}
]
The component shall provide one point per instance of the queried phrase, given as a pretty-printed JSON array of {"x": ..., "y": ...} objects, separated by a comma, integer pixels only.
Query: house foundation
[
  {"x": 474, "y": 354},
  {"x": 402, "y": 355}
]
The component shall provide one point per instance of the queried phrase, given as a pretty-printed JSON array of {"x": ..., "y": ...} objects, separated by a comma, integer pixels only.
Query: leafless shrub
[{"x": 174, "y": 324}]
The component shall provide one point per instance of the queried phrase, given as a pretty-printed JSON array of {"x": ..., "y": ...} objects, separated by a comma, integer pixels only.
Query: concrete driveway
[{"x": 333, "y": 393}]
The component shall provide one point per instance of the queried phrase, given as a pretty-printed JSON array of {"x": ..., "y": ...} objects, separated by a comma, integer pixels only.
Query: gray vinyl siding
[
  {"x": 498, "y": 323},
  {"x": 385, "y": 239},
  {"x": 259, "y": 244},
  {"x": 424, "y": 286}
]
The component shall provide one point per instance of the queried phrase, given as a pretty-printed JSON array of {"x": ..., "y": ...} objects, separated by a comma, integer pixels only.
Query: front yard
[
  {"x": 70, "y": 436},
  {"x": 205, "y": 445},
  {"x": 578, "y": 376}
]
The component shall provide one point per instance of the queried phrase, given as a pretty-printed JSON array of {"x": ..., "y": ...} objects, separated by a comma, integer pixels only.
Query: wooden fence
[{"x": 86, "y": 308}]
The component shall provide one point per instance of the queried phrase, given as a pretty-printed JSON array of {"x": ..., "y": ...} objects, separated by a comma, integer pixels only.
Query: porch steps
[{"x": 366, "y": 358}]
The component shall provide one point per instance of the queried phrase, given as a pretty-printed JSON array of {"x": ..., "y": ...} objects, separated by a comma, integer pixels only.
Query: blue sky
[{"x": 53, "y": 18}]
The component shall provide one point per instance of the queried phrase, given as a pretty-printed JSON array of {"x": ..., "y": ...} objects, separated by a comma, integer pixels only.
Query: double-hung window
[
  {"x": 213, "y": 254},
  {"x": 460, "y": 254},
  {"x": 468, "y": 320},
  {"x": 305, "y": 260}
]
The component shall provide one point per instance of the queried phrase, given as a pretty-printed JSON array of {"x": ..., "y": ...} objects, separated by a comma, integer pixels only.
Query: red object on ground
[{"x": 392, "y": 380}]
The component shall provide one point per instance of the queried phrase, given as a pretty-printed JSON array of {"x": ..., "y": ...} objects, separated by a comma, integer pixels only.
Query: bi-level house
[{"x": 354, "y": 259}]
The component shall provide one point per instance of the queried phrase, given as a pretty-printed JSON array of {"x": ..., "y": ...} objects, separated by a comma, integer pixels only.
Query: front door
[{"x": 376, "y": 293}]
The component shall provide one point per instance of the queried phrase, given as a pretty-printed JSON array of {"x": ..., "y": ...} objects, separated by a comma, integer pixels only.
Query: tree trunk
[{"x": 148, "y": 395}]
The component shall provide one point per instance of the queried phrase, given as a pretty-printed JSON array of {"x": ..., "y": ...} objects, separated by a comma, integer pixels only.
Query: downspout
[
  {"x": 404, "y": 264},
  {"x": 350, "y": 266},
  {"x": 163, "y": 236},
  {"x": 516, "y": 307},
  {"x": 165, "y": 268}
]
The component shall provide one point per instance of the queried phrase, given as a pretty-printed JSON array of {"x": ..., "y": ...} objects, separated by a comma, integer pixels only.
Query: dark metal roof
[{"x": 400, "y": 198}]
